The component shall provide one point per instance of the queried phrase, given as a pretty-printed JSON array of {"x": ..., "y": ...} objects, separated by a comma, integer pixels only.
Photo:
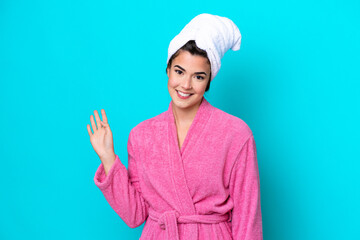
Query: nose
[{"x": 187, "y": 83}]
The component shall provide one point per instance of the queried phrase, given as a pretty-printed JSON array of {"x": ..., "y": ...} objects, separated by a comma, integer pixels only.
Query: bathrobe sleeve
[
  {"x": 245, "y": 192},
  {"x": 121, "y": 188}
]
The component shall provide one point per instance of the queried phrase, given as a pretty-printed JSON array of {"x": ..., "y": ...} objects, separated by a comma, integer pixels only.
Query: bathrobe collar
[
  {"x": 197, "y": 126},
  {"x": 178, "y": 159}
]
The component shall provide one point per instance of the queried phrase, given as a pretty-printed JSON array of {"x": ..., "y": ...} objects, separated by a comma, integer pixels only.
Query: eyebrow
[{"x": 185, "y": 70}]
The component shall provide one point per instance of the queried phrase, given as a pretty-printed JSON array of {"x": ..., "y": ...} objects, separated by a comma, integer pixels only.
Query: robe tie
[{"x": 168, "y": 220}]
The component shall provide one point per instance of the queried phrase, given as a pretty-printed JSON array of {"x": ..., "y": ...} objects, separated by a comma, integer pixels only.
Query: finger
[
  {"x": 104, "y": 117},
  {"x": 93, "y": 123},
  {"x": 97, "y": 117},
  {"x": 89, "y": 130}
]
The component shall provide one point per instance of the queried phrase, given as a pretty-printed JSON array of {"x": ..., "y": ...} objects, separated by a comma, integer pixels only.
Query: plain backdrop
[{"x": 294, "y": 81}]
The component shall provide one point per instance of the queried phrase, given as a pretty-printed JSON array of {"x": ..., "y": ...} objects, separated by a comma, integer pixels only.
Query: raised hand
[{"x": 102, "y": 139}]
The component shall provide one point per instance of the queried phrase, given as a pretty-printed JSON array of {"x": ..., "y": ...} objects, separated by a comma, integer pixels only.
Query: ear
[{"x": 167, "y": 72}]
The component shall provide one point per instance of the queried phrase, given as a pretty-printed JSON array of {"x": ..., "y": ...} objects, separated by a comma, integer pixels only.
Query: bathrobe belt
[{"x": 168, "y": 220}]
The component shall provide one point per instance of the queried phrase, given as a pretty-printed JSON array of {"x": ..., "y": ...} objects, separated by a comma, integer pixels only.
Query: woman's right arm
[
  {"x": 121, "y": 189},
  {"x": 120, "y": 186}
]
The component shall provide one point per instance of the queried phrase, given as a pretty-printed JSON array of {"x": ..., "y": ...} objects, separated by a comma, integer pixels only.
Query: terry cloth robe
[{"x": 208, "y": 189}]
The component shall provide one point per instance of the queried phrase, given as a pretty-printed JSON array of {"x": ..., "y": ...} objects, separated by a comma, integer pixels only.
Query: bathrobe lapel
[{"x": 177, "y": 157}]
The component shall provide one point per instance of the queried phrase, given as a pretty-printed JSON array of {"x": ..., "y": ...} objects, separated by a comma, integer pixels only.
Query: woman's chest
[
  {"x": 203, "y": 166},
  {"x": 181, "y": 135}
]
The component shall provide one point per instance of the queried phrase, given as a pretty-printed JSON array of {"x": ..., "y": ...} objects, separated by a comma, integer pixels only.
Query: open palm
[{"x": 102, "y": 138}]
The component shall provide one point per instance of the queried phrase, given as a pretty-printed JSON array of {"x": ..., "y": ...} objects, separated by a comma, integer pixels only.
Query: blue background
[{"x": 295, "y": 82}]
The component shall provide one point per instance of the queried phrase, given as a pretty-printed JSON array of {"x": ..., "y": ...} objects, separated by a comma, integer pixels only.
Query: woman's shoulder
[
  {"x": 231, "y": 122},
  {"x": 151, "y": 124}
]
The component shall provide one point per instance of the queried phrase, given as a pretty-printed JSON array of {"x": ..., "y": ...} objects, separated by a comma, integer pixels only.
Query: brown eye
[
  {"x": 200, "y": 77},
  {"x": 178, "y": 71}
]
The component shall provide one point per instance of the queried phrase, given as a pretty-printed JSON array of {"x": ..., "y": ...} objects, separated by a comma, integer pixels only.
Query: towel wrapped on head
[{"x": 212, "y": 33}]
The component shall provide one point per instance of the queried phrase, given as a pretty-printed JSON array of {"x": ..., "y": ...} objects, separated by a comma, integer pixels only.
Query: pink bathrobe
[{"x": 210, "y": 189}]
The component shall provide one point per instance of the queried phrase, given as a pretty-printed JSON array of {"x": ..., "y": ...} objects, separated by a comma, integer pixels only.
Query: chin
[{"x": 181, "y": 103}]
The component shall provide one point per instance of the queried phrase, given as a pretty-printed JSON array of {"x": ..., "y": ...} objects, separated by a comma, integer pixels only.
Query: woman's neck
[{"x": 185, "y": 116}]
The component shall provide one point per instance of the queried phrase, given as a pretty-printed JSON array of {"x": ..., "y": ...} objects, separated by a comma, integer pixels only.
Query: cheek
[
  {"x": 200, "y": 87},
  {"x": 172, "y": 82}
]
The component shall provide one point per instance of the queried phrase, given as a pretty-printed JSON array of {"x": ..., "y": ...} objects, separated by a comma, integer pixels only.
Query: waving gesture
[{"x": 102, "y": 139}]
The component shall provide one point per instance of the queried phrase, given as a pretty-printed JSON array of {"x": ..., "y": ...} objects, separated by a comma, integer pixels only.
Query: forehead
[{"x": 188, "y": 61}]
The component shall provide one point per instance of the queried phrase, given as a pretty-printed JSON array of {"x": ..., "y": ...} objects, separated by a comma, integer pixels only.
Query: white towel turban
[{"x": 212, "y": 33}]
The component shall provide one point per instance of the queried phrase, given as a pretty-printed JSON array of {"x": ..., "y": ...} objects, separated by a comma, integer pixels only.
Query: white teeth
[{"x": 183, "y": 94}]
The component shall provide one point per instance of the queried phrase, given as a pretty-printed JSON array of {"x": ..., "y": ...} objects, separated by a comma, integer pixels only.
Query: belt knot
[
  {"x": 168, "y": 217},
  {"x": 168, "y": 220}
]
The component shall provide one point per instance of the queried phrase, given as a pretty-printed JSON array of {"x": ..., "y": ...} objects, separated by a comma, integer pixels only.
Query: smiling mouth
[{"x": 184, "y": 94}]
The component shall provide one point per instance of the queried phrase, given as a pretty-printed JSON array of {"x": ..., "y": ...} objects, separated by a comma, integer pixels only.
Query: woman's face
[{"x": 188, "y": 74}]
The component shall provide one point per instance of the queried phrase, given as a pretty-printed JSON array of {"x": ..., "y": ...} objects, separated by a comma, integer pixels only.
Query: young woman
[{"x": 192, "y": 170}]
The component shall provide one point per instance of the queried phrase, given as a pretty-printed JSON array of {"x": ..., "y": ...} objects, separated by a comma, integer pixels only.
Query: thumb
[
  {"x": 104, "y": 124},
  {"x": 106, "y": 127}
]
